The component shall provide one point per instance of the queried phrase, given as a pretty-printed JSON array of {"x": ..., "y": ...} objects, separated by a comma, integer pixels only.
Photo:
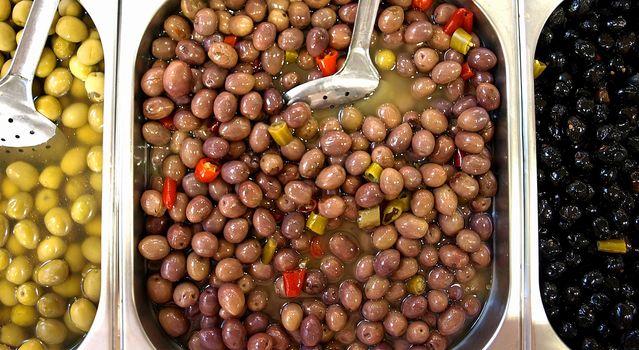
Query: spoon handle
[
  {"x": 34, "y": 36},
  {"x": 364, "y": 25}
]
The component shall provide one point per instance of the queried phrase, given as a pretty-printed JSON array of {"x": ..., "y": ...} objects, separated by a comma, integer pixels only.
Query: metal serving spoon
[
  {"x": 358, "y": 77},
  {"x": 25, "y": 133}
]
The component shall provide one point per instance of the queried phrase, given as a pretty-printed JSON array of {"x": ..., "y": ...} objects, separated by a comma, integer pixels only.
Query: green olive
[
  {"x": 49, "y": 107},
  {"x": 70, "y": 288},
  {"x": 94, "y": 159},
  {"x": 63, "y": 49},
  {"x": 78, "y": 91},
  {"x": 72, "y": 29},
  {"x": 90, "y": 52},
  {"x": 51, "y": 177},
  {"x": 21, "y": 12},
  {"x": 23, "y": 174},
  {"x": 28, "y": 294},
  {"x": 96, "y": 116},
  {"x": 74, "y": 257},
  {"x": 79, "y": 70},
  {"x": 32, "y": 344},
  {"x": 91, "y": 284},
  {"x": 94, "y": 227},
  {"x": 12, "y": 334},
  {"x": 58, "y": 221},
  {"x": 70, "y": 8},
  {"x": 4, "y": 230},
  {"x": 19, "y": 206},
  {"x": 19, "y": 270},
  {"x": 8, "y": 41},
  {"x": 9, "y": 188},
  {"x": 52, "y": 272},
  {"x": 83, "y": 209},
  {"x": 82, "y": 313},
  {"x": 94, "y": 85},
  {"x": 52, "y": 247},
  {"x": 75, "y": 115},
  {"x": 51, "y": 305},
  {"x": 76, "y": 186},
  {"x": 95, "y": 180},
  {"x": 5, "y": 67},
  {"x": 8, "y": 293},
  {"x": 5, "y": 9},
  {"x": 70, "y": 325},
  {"x": 88, "y": 136},
  {"x": 27, "y": 233},
  {"x": 5, "y": 259},
  {"x": 45, "y": 200},
  {"x": 91, "y": 249},
  {"x": 58, "y": 83},
  {"x": 51, "y": 331},
  {"x": 14, "y": 247},
  {"x": 70, "y": 164},
  {"x": 47, "y": 63},
  {"x": 23, "y": 315}
]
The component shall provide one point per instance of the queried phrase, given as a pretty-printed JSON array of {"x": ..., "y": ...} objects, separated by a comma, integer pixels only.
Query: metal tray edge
[{"x": 539, "y": 334}]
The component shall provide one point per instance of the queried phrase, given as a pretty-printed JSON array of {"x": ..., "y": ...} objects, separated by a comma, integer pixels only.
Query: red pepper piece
[
  {"x": 215, "y": 128},
  {"x": 169, "y": 192},
  {"x": 422, "y": 5},
  {"x": 466, "y": 72},
  {"x": 230, "y": 39},
  {"x": 327, "y": 62},
  {"x": 461, "y": 18},
  {"x": 206, "y": 170},
  {"x": 293, "y": 282},
  {"x": 468, "y": 22},
  {"x": 167, "y": 122},
  {"x": 307, "y": 208},
  {"x": 458, "y": 157},
  {"x": 316, "y": 248},
  {"x": 277, "y": 215}
]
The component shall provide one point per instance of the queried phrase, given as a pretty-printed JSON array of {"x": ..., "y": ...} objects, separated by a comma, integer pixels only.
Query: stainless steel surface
[
  {"x": 357, "y": 78},
  {"x": 103, "y": 333},
  {"x": 539, "y": 333},
  {"x": 499, "y": 325},
  {"x": 22, "y": 128}
]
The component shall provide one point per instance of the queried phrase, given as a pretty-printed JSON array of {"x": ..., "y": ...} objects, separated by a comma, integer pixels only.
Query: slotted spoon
[
  {"x": 358, "y": 77},
  {"x": 25, "y": 133}
]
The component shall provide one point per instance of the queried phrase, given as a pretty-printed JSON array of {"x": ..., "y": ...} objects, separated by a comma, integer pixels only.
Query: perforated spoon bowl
[
  {"x": 357, "y": 78},
  {"x": 25, "y": 133}
]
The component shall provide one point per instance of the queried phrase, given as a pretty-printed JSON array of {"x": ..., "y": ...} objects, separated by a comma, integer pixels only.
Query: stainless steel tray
[
  {"x": 103, "y": 332},
  {"x": 499, "y": 326},
  {"x": 539, "y": 334}
]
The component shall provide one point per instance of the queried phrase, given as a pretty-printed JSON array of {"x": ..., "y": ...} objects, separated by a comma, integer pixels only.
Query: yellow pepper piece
[
  {"x": 373, "y": 172},
  {"x": 395, "y": 208},
  {"x": 269, "y": 250},
  {"x": 291, "y": 56},
  {"x": 416, "y": 285},
  {"x": 538, "y": 68},
  {"x": 280, "y": 133},
  {"x": 368, "y": 218},
  {"x": 612, "y": 246},
  {"x": 316, "y": 223},
  {"x": 461, "y": 41}
]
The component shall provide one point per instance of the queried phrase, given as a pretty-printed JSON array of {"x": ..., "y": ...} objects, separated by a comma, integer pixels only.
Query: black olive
[
  {"x": 550, "y": 248},
  {"x": 614, "y": 264},
  {"x": 606, "y": 41},
  {"x": 601, "y": 228},
  {"x": 621, "y": 316},
  {"x": 603, "y": 330},
  {"x": 559, "y": 177},
  {"x": 575, "y": 129},
  {"x": 568, "y": 330},
  {"x": 590, "y": 344},
  {"x": 557, "y": 18},
  {"x": 584, "y": 50},
  {"x": 612, "y": 153},
  {"x": 585, "y": 106},
  {"x": 593, "y": 280},
  {"x": 585, "y": 316},
  {"x": 583, "y": 161},
  {"x": 631, "y": 340},
  {"x": 572, "y": 295},
  {"x": 549, "y": 293},
  {"x": 599, "y": 301},
  {"x": 577, "y": 190},
  {"x": 555, "y": 270},
  {"x": 616, "y": 24},
  {"x": 620, "y": 219},
  {"x": 573, "y": 259}
]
